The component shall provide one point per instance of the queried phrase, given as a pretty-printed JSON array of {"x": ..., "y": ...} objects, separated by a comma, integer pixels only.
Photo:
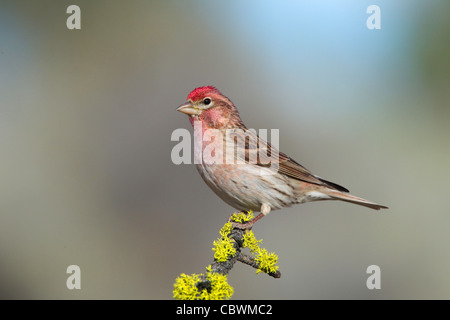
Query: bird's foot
[
  {"x": 243, "y": 226},
  {"x": 247, "y": 225}
]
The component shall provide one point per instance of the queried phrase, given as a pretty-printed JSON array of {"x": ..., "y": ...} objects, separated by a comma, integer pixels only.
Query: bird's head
[{"x": 210, "y": 106}]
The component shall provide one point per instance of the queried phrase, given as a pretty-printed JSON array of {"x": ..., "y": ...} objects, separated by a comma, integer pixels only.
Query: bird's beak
[{"x": 189, "y": 109}]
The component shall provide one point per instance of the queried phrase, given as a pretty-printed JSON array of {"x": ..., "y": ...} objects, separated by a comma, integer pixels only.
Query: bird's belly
[{"x": 247, "y": 187}]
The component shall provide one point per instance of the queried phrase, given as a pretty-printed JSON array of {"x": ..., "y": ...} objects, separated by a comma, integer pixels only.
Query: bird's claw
[{"x": 243, "y": 226}]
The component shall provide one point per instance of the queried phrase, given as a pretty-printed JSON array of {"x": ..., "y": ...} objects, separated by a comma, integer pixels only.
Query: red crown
[{"x": 201, "y": 92}]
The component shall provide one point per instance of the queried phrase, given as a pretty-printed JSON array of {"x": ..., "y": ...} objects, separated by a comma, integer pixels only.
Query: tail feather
[{"x": 353, "y": 199}]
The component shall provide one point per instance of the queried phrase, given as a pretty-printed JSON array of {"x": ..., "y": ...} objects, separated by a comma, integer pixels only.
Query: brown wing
[
  {"x": 262, "y": 156},
  {"x": 293, "y": 169}
]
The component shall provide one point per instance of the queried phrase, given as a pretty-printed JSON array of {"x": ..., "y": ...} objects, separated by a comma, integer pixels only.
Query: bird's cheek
[{"x": 212, "y": 118}]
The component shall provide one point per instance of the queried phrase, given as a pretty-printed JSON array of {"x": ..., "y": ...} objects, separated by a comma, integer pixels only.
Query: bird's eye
[{"x": 206, "y": 101}]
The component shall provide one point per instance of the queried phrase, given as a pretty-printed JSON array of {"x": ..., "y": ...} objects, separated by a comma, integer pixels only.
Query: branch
[
  {"x": 252, "y": 263},
  {"x": 227, "y": 250}
]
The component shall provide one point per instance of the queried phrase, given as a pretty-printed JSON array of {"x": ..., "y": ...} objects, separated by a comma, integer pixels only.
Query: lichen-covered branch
[
  {"x": 253, "y": 263},
  {"x": 227, "y": 251}
]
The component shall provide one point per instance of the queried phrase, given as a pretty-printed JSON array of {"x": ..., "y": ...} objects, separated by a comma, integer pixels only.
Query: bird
[{"x": 238, "y": 165}]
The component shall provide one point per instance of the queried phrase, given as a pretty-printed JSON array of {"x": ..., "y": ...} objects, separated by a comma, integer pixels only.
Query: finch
[{"x": 245, "y": 177}]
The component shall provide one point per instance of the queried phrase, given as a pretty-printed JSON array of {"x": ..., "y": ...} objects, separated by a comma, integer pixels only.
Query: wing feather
[{"x": 262, "y": 156}]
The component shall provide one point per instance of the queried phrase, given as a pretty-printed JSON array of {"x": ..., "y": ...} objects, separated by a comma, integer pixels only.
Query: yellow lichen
[
  {"x": 250, "y": 241},
  {"x": 242, "y": 217},
  {"x": 267, "y": 261},
  {"x": 186, "y": 287},
  {"x": 224, "y": 246}
]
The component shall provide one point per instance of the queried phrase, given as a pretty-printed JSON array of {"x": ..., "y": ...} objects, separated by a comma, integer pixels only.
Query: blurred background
[{"x": 86, "y": 118}]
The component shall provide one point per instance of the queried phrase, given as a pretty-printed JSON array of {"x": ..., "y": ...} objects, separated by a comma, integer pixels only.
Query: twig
[{"x": 252, "y": 263}]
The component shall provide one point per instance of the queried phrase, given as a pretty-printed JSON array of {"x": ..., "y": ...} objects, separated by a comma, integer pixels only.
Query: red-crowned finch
[{"x": 244, "y": 170}]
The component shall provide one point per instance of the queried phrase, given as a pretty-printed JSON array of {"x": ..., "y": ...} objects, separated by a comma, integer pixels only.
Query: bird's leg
[{"x": 265, "y": 209}]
